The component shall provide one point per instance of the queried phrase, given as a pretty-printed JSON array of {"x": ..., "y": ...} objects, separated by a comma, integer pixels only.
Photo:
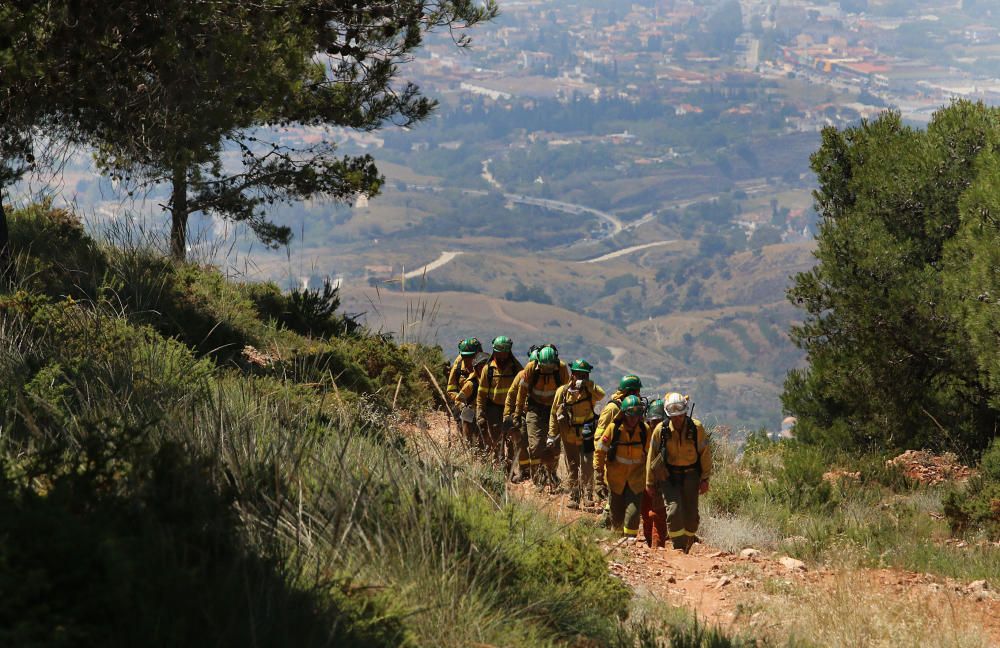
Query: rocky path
[{"x": 746, "y": 593}]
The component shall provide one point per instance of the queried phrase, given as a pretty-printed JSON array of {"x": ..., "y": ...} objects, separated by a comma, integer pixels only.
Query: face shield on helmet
[
  {"x": 675, "y": 404},
  {"x": 633, "y": 406}
]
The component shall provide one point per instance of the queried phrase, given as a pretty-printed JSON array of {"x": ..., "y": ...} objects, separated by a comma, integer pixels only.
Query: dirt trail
[
  {"x": 725, "y": 589},
  {"x": 504, "y": 317}
]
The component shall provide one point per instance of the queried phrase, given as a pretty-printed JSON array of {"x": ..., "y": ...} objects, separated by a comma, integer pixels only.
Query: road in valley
[
  {"x": 628, "y": 250},
  {"x": 446, "y": 257}
]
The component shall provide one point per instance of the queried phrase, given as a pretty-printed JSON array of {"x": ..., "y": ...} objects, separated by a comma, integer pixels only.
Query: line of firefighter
[{"x": 651, "y": 461}]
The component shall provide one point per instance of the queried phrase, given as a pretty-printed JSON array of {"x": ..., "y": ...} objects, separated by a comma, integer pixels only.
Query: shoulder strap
[
  {"x": 536, "y": 375},
  {"x": 616, "y": 432},
  {"x": 699, "y": 446},
  {"x": 489, "y": 374}
]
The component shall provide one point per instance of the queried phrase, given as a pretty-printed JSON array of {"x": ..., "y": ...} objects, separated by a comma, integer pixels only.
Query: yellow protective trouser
[
  {"x": 625, "y": 512},
  {"x": 579, "y": 466},
  {"x": 680, "y": 498},
  {"x": 536, "y": 420},
  {"x": 493, "y": 436}
]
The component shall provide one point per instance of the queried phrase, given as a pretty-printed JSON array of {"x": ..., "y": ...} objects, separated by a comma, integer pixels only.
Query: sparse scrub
[
  {"x": 835, "y": 508},
  {"x": 852, "y": 614},
  {"x": 977, "y": 505}
]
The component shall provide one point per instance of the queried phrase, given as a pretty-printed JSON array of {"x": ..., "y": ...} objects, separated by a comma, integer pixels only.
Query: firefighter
[
  {"x": 540, "y": 380},
  {"x": 514, "y": 425},
  {"x": 495, "y": 381},
  {"x": 620, "y": 462},
  {"x": 654, "y": 516},
  {"x": 461, "y": 370},
  {"x": 678, "y": 467},
  {"x": 466, "y": 399},
  {"x": 573, "y": 410},
  {"x": 628, "y": 386}
]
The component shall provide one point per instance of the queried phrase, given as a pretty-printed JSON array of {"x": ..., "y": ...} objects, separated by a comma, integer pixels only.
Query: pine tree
[{"x": 889, "y": 360}]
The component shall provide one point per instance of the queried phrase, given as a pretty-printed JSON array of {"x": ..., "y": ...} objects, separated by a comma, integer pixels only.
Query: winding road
[
  {"x": 446, "y": 257},
  {"x": 628, "y": 250}
]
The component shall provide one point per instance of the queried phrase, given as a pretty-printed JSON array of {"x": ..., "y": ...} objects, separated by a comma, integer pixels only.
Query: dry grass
[
  {"x": 730, "y": 533},
  {"x": 850, "y": 613}
]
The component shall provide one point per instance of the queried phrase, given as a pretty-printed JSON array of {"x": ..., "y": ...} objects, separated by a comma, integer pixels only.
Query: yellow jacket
[
  {"x": 575, "y": 408},
  {"x": 629, "y": 465},
  {"x": 457, "y": 377},
  {"x": 539, "y": 385},
  {"x": 496, "y": 381},
  {"x": 510, "y": 403},
  {"x": 683, "y": 450},
  {"x": 467, "y": 393},
  {"x": 609, "y": 413}
]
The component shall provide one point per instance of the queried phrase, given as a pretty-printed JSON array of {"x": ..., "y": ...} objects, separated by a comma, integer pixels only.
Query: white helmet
[{"x": 675, "y": 404}]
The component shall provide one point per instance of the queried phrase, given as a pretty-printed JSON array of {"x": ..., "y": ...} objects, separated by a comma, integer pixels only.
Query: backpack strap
[{"x": 691, "y": 433}]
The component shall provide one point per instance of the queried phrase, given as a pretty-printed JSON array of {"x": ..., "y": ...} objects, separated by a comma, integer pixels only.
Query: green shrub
[
  {"x": 977, "y": 505},
  {"x": 799, "y": 482},
  {"x": 310, "y": 312},
  {"x": 52, "y": 253}
]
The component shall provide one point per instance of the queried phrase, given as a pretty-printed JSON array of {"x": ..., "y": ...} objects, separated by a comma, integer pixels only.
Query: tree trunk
[{"x": 179, "y": 215}]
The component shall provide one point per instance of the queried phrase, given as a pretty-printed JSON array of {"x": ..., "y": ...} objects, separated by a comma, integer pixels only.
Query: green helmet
[
  {"x": 502, "y": 344},
  {"x": 630, "y": 383},
  {"x": 547, "y": 356},
  {"x": 582, "y": 366},
  {"x": 470, "y": 346},
  {"x": 533, "y": 355},
  {"x": 656, "y": 411},
  {"x": 632, "y": 406}
]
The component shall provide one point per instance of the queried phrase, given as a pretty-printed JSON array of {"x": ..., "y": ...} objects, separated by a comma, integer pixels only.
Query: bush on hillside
[
  {"x": 307, "y": 311},
  {"x": 52, "y": 254},
  {"x": 977, "y": 505}
]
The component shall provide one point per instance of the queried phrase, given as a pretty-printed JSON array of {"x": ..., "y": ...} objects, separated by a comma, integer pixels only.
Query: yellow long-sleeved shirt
[
  {"x": 629, "y": 465},
  {"x": 683, "y": 450},
  {"x": 495, "y": 382},
  {"x": 538, "y": 384},
  {"x": 576, "y": 408},
  {"x": 510, "y": 403},
  {"x": 609, "y": 413},
  {"x": 457, "y": 377}
]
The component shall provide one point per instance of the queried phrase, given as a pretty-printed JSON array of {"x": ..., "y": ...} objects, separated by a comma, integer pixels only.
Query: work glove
[
  {"x": 703, "y": 487},
  {"x": 651, "y": 491},
  {"x": 519, "y": 422},
  {"x": 550, "y": 442},
  {"x": 481, "y": 422},
  {"x": 508, "y": 422}
]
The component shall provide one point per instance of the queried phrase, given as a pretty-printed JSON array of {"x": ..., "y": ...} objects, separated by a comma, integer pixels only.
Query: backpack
[
  {"x": 491, "y": 367},
  {"x": 536, "y": 375},
  {"x": 616, "y": 433},
  {"x": 692, "y": 434},
  {"x": 588, "y": 427}
]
